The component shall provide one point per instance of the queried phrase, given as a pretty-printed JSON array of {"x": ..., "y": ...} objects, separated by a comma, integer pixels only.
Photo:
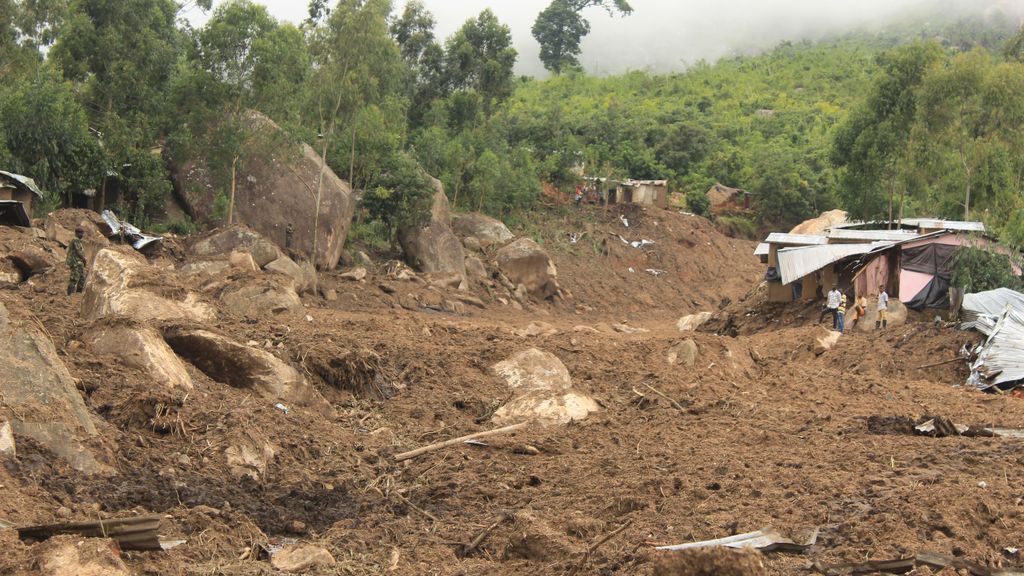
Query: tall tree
[
  {"x": 480, "y": 57},
  {"x": 560, "y": 27},
  {"x": 413, "y": 30}
]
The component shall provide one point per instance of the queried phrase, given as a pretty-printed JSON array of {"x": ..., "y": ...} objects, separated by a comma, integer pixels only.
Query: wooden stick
[
  {"x": 459, "y": 440},
  {"x": 665, "y": 396},
  {"x": 468, "y": 549},
  {"x": 586, "y": 555},
  {"x": 950, "y": 361}
]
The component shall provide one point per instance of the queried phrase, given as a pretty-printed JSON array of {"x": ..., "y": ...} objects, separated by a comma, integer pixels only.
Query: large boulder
[
  {"x": 236, "y": 238},
  {"x": 485, "y": 229},
  {"x": 693, "y": 321},
  {"x": 542, "y": 390},
  {"x": 525, "y": 263},
  {"x": 123, "y": 284},
  {"x": 241, "y": 366},
  {"x": 302, "y": 276},
  {"x": 433, "y": 247},
  {"x": 257, "y": 300},
  {"x": 142, "y": 348},
  {"x": 276, "y": 186},
  {"x": 38, "y": 396}
]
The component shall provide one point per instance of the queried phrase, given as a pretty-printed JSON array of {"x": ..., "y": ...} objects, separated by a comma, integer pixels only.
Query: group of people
[{"x": 836, "y": 304}]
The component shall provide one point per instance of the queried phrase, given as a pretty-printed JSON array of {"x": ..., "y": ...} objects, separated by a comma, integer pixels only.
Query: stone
[
  {"x": 584, "y": 328},
  {"x": 7, "y": 447},
  {"x": 471, "y": 243},
  {"x": 525, "y": 263},
  {"x": 471, "y": 300},
  {"x": 76, "y": 556},
  {"x": 277, "y": 186},
  {"x": 683, "y": 354},
  {"x": 433, "y": 247},
  {"x": 32, "y": 261},
  {"x": 58, "y": 233},
  {"x": 542, "y": 390},
  {"x": 144, "y": 349},
  {"x": 118, "y": 285},
  {"x": 301, "y": 558},
  {"x": 302, "y": 275},
  {"x": 250, "y": 457},
  {"x": 256, "y": 300},
  {"x": 824, "y": 340},
  {"x": 486, "y": 230},
  {"x": 453, "y": 307},
  {"x": 246, "y": 367},
  {"x": 521, "y": 294},
  {"x": 205, "y": 267},
  {"x": 354, "y": 275},
  {"x": 626, "y": 329},
  {"x": 331, "y": 295},
  {"x": 40, "y": 395},
  {"x": 10, "y": 277},
  {"x": 224, "y": 241},
  {"x": 693, "y": 321},
  {"x": 445, "y": 281},
  {"x": 535, "y": 329},
  {"x": 475, "y": 269},
  {"x": 242, "y": 260}
]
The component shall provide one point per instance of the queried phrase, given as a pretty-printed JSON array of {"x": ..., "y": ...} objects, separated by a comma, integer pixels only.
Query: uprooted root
[{"x": 362, "y": 372}]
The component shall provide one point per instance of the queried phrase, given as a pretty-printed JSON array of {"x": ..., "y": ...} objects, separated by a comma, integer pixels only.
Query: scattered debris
[
  {"x": 655, "y": 272},
  {"x": 593, "y": 547},
  {"x": 281, "y": 407},
  {"x": 903, "y": 565},
  {"x": 120, "y": 228},
  {"x": 459, "y": 440},
  {"x": 137, "y": 533},
  {"x": 301, "y": 558},
  {"x": 766, "y": 539},
  {"x": 625, "y": 222},
  {"x": 468, "y": 549},
  {"x": 7, "y": 447},
  {"x": 940, "y": 427}
]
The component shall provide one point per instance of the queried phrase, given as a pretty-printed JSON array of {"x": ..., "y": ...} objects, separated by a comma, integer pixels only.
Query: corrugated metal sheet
[
  {"x": 1000, "y": 360},
  {"x": 762, "y": 249},
  {"x": 796, "y": 239},
  {"x": 936, "y": 224},
  {"x": 132, "y": 233},
  {"x": 795, "y": 263},
  {"x": 990, "y": 303},
  {"x": 871, "y": 235},
  {"x": 24, "y": 181}
]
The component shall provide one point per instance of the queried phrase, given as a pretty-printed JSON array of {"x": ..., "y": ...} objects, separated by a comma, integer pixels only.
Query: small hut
[{"x": 17, "y": 195}]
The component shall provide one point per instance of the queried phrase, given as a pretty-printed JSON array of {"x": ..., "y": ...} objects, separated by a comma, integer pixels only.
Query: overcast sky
[{"x": 665, "y": 35}]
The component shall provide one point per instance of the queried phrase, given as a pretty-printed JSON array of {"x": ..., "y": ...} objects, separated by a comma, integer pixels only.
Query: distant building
[
  {"x": 642, "y": 192},
  {"x": 726, "y": 199},
  {"x": 17, "y": 195}
]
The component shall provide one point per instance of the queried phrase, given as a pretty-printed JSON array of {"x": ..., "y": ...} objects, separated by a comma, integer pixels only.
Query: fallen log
[
  {"x": 439, "y": 445},
  {"x": 138, "y": 533},
  {"x": 943, "y": 363}
]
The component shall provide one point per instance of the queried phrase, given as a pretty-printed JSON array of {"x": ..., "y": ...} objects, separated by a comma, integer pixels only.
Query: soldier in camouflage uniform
[{"x": 76, "y": 263}]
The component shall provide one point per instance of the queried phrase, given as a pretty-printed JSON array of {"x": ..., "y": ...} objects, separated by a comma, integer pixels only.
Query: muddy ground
[{"x": 758, "y": 432}]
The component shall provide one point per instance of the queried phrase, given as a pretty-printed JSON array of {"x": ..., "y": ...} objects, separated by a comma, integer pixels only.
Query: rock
[
  {"x": 301, "y": 558},
  {"x": 486, "y": 230},
  {"x": 277, "y": 186},
  {"x": 471, "y": 300},
  {"x": 684, "y": 354},
  {"x": 250, "y": 457},
  {"x": 58, "y": 233},
  {"x": 433, "y": 247},
  {"x": 206, "y": 267},
  {"x": 446, "y": 281},
  {"x": 471, "y": 243},
  {"x": 625, "y": 329},
  {"x": 453, "y": 307},
  {"x": 241, "y": 366},
  {"x": 824, "y": 340},
  {"x": 242, "y": 260},
  {"x": 582, "y": 328},
  {"x": 693, "y": 321},
  {"x": 32, "y": 261},
  {"x": 224, "y": 241},
  {"x": 536, "y": 329},
  {"x": 77, "y": 556},
  {"x": 521, "y": 294},
  {"x": 331, "y": 295},
  {"x": 303, "y": 275},
  {"x": 117, "y": 286},
  {"x": 475, "y": 269},
  {"x": 296, "y": 527},
  {"x": 7, "y": 448},
  {"x": 10, "y": 277},
  {"x": 144, "y": 349},
  {"x": 354, "y": 275},
  {"x": 408, "y": 301},
  {"x": 364, "y": 259},
  {"x": 525, "y": 263},
  {"x": 543, "y": 390},
  {"x": 256, "y": 300},
  {"x": 40, "y": 397}
]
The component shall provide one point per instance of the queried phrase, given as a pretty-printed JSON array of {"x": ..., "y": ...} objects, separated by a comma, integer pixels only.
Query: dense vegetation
[{"x": 916, "y": 120}]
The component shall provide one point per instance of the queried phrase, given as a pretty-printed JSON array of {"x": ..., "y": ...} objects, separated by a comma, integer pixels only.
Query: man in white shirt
[
  {"x": 883, "y": 308},
  {"x": 832, "y": 302}
]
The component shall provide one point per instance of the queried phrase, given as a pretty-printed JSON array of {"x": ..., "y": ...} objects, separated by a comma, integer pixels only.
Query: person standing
[
  {"x": 76, "y": 263},
  {"x": 860, "y": 310},
  {"x": 883, "y": 308},
  {"x": 832, "y": 304},
  {"x": 288, "y": 233},
  {"x": 841, "y": 314}
]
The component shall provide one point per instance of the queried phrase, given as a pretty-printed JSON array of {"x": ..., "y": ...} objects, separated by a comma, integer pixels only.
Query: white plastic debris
[
  {"x": 624, "y": 221},
  {"x": 281, "y": 407}
]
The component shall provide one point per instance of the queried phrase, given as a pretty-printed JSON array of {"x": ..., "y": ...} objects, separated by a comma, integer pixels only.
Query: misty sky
[{"x": 665, "y": 35}]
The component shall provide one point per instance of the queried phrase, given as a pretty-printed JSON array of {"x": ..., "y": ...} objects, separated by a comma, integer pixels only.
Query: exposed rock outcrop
[
  {"x": 487, "y": 231},
  {"x": 525, "y": 263},
  {"x": 144, "y": 349},
  {"x": 433, "y": 247}
]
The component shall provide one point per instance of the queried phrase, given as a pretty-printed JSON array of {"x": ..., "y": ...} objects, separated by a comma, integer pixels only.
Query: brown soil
[{"x": 759, "y": 432}]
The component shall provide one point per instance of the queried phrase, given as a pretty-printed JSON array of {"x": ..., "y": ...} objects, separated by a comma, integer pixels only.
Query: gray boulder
[
  {"x": 525, "y": 263},
  {"x": 433, "y": 247},
  {"x": 485, "y": 229}
]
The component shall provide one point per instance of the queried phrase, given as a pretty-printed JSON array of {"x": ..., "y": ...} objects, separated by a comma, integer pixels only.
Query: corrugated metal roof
[
  {"x": 795, "y": 263},
  {"x": 1001, "y": 359},
  {"x": 762, "y": 249},
  {"x": 24, "y": 181},
  {"x": 937, "y": 224},
  {"x": 991, "y": 303},
  {"x": 796, "y": 239},
  {"x": 871, "y": 235}
]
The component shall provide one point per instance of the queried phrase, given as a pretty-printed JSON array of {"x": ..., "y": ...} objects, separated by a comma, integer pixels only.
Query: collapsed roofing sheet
[
  {"x": 1000, "y": 359},
  {"x": 990, "y": 303},
  {"x": 133, "y": 234},
  {"x": 795, "y": 263},
  {"x": 796, "y": 239}
]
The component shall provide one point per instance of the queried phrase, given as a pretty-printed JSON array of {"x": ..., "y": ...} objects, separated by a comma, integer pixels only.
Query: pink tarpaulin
[{"x": 911, "y": 284}]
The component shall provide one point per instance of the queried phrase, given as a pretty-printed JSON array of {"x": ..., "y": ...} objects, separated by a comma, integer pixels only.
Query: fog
[{"x": 668, "y": 35}]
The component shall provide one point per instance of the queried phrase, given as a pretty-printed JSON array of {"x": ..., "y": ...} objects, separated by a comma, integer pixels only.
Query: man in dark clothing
[
  {"x": 288, "y": 232},
  {"x": 76, "y": 263}
]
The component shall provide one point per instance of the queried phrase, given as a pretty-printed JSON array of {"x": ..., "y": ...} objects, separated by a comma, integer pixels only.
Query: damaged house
[{"x": 18, "y": 194}]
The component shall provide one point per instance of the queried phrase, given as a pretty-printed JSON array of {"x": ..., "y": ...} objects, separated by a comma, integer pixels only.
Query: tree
[
  {"x": 977, "y": 270},
  {"x": 480, "y": 57},
  {"x": 560, "y": 27},
  {"x": 413, "y": 31}
]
